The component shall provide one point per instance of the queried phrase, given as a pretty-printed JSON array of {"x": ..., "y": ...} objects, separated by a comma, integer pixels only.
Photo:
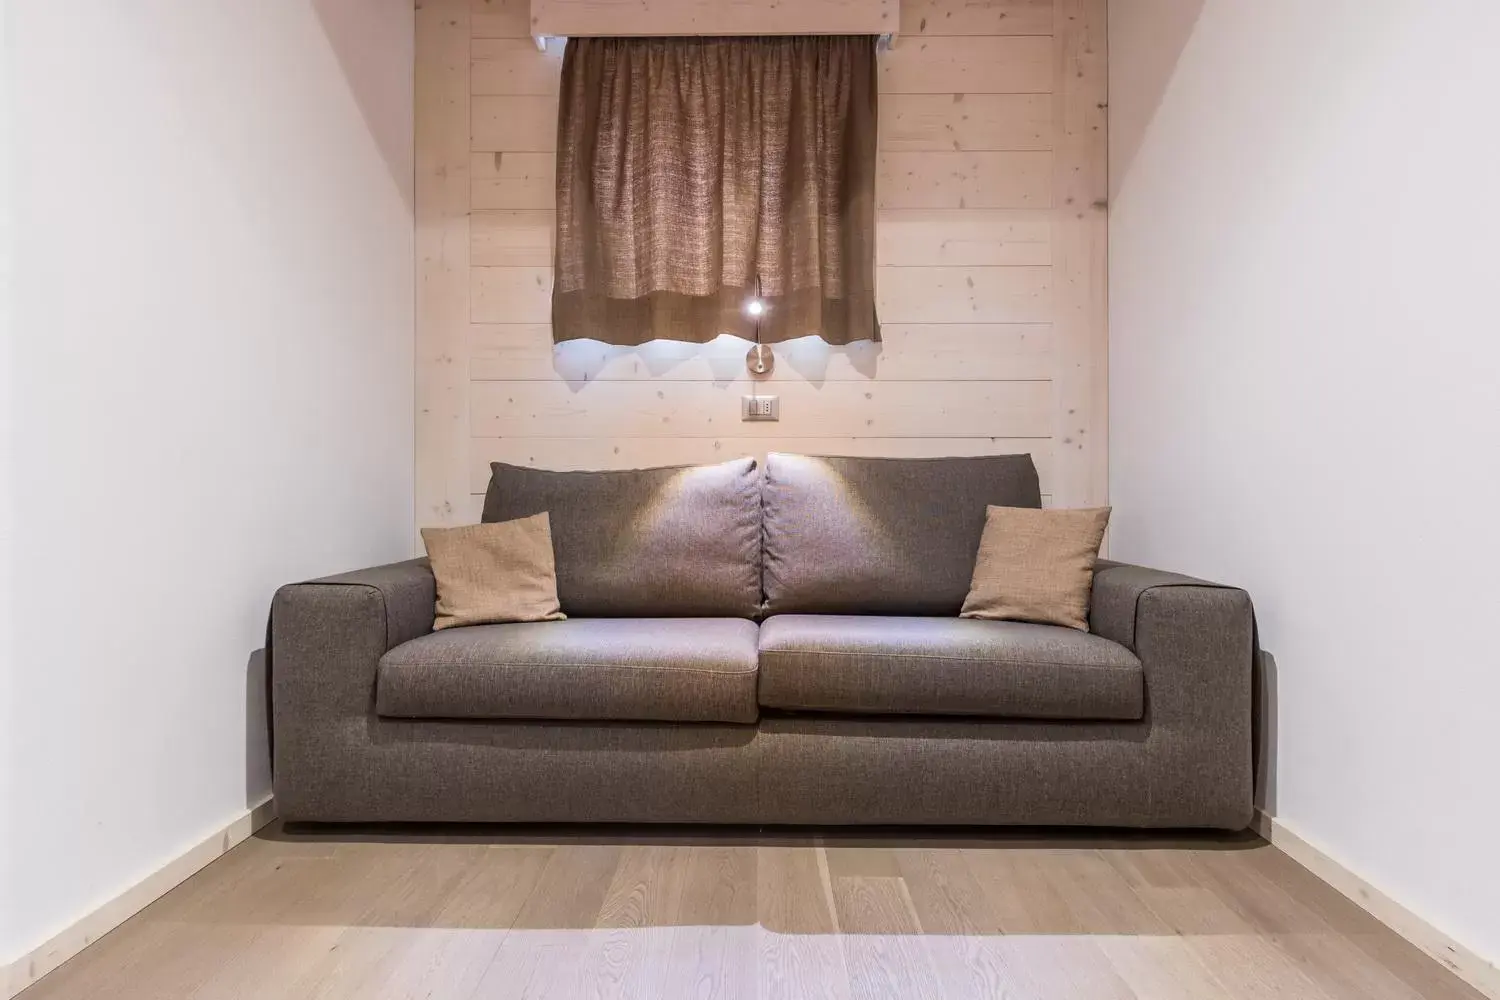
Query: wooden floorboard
[{"x": 463, "y": 913}]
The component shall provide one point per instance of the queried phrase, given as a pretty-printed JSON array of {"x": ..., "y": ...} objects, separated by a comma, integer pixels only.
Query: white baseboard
[
  {"x": 1473, "y": 969},
  {"x": 92, "y": 926}
]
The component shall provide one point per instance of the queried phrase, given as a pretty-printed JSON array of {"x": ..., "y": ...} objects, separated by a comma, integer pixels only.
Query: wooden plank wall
[{"x": 991, "y": 275}]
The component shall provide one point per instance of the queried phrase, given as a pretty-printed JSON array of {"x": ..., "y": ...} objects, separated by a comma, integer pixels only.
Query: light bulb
[{"x": 755, "y": 307}]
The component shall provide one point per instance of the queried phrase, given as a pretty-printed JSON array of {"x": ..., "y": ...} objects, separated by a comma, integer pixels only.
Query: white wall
[
  {"x": 1305, "y": 363},
  {"x": 8, "y": 932},
  {"x": 212, "y": 392}
]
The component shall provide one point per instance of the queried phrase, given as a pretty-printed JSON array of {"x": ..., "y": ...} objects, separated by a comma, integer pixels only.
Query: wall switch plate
[{"x": 760, "y": 408}]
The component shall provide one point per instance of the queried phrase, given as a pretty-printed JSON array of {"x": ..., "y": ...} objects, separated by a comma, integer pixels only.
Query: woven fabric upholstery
[
  {"x": 944, "y": 666},
  {"x": 684, "y": 670},
  {"x": 650, "y": 543},
  {"x": 886, "y": 536},
  {"x": 1185, "y": 763}
]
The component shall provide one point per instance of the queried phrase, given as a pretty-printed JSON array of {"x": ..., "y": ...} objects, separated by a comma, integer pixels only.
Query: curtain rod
[{"x": 883, "y": 43}]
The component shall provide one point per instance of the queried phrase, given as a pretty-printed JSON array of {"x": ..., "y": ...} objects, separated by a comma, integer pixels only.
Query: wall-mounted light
[{"x": 761, "y": 360}]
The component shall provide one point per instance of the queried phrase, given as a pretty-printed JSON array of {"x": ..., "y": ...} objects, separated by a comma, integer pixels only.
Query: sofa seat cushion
[
  {"x": 945, "y": 666},
  {"x": 677, "y": 670}
]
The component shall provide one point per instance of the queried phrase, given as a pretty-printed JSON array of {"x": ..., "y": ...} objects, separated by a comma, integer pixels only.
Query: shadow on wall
[
  {"x": 579, "y": 362},
  {"x": 1144, "y": 50},
  {"x": 376, "y": 58},
  {"x": 1263, "y": 685},
  {"x": 257, "y": 729}
]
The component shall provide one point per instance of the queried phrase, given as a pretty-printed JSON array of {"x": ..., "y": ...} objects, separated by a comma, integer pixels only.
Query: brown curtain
[{"x": 689, "y": 170}]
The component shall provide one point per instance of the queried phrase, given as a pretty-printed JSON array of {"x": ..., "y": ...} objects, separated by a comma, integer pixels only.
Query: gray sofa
[{"x": 776, "y": 646}]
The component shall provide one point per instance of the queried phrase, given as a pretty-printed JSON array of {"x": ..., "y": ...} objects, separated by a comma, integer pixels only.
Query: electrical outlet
[{"x": 760, "y": 408}]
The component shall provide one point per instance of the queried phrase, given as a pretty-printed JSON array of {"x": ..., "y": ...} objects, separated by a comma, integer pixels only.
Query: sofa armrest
[
  {"x": 1114, "y": 605},
  {"x": 327, "y": 638},
  {"x": 1194, "y": 638},
  {"x": 1196, "y": 644}
]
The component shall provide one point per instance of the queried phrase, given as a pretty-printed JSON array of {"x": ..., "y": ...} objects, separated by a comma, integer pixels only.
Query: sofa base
[
  {"x": 791, "y": 769},
  {"x": 1185, "y": 764}
]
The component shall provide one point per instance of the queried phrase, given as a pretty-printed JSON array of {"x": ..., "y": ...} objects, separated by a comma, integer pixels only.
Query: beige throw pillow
[
  {"x": 1036, "y": 565},
  {"x": 487, "y": 573}
]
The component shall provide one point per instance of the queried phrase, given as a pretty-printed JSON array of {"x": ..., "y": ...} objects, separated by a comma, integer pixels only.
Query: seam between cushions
[
  {"x": 735, "y": 671},
  {"x": 954, "y": 659}
]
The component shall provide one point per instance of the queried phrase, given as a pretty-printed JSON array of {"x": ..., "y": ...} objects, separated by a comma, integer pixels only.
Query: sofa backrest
[
  {"x": 670, "y": 542},
  {"x": 881, "y": 535}
]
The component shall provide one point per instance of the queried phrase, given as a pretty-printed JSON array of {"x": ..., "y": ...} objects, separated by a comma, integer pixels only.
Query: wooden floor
[{"x": 631, "y": 913}]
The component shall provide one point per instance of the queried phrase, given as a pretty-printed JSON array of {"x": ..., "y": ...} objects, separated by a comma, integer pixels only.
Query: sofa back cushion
[
  {"x": 890, "y": 536},
  {"x": 670, "y": 542}
]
